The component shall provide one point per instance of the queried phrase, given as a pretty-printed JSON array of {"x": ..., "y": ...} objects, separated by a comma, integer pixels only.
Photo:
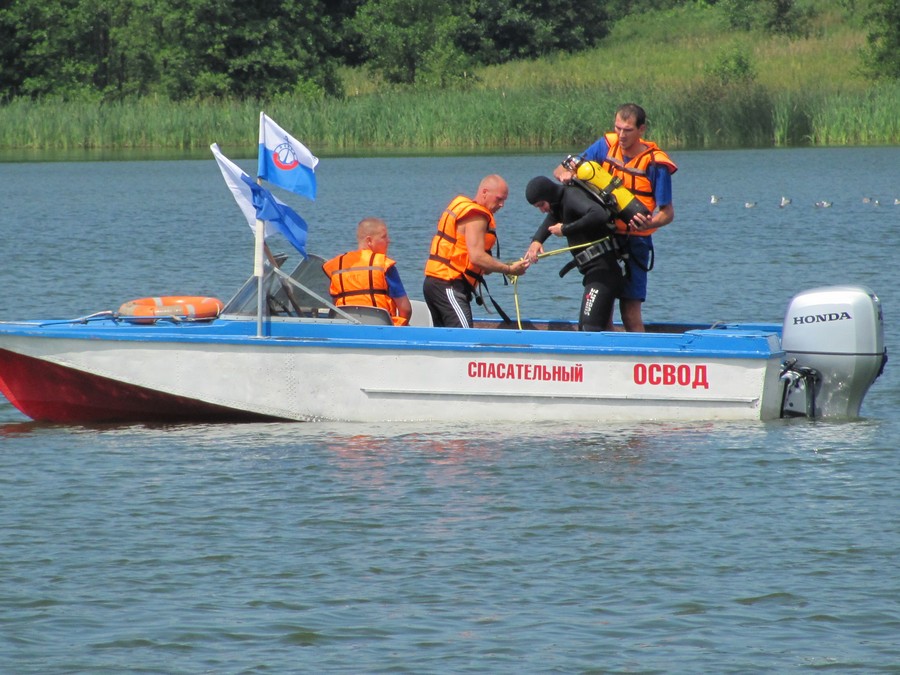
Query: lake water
[{"x": 726, "y": 547}]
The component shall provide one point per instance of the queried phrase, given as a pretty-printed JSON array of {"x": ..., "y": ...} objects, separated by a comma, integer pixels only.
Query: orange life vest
[
  {"x": 635, "y": 174},
  {"x": 449, "y": 256},
  {"x": 360, "y": 278}
]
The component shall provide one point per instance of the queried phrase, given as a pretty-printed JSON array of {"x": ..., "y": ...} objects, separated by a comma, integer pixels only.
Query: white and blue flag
[
  {"x": 284, "y": 161},
  {"x": 258, "y": 204}
]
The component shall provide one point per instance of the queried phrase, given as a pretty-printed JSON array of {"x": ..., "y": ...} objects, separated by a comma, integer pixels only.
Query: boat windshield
[{"x": 306, "y": 297}]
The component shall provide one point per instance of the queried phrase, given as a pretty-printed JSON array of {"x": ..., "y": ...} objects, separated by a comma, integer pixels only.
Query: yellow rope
[
  {"x": 514, "y": 278},
  {"x": 572, "y": 248},
  {"x": 515, "y": 284}
]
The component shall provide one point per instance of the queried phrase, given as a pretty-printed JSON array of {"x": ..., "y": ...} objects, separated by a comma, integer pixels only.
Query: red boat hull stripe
[{"x": 49, "y": 392}]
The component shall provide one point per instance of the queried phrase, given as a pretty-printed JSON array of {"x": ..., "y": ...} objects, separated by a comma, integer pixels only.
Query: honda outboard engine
[{"x": 833, "y": 338}]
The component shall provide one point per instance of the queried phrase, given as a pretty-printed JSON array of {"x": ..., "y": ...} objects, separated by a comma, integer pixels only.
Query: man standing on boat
[
  {"x": 646, "y": 171},
  {"x": 460, "y": 254},
  {"x": 573, "y": 213},
  {"x": 367, "y": 277}
]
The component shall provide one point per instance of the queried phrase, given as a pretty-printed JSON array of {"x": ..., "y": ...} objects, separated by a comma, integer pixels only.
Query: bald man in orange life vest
[
  {"x": 460, "y": 254},
  {"x": 646, "y": 171}
]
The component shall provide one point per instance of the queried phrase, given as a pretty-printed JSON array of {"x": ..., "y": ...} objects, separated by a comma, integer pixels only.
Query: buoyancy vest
[
  {"x": 448, "y": 257},
  {"x": 360, "y": 278},
  {"x": 636, "y": 174}
]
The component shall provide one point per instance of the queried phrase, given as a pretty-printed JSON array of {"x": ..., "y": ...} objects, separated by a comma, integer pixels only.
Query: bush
[{"x": 732, "y": 67}]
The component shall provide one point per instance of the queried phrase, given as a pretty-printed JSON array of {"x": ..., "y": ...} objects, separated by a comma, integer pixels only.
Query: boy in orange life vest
[
  {"x": 460, "y": 254},
  {"x": 367, "y": 276},
  {"x": 646, "y": 171}
]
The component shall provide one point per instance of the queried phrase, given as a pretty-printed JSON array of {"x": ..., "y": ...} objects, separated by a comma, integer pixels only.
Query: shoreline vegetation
[{"x": 703, "y": 88}]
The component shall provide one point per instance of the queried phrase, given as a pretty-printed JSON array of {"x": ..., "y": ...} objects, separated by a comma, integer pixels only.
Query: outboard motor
[{"x": 833, "y": 338}]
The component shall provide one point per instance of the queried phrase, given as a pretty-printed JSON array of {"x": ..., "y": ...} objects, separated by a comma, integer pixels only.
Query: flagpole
[
  {"x": 261, "y": 208},
  {"x": 286, "y": 162},
  {"x": 259, "y": 270}
]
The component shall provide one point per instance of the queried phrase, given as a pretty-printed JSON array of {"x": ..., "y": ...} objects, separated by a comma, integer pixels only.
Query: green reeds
[
  {"x": 850, "y": 119},
  {"x": 142, "y": 124},
  {"x": 704, "y": 115}
]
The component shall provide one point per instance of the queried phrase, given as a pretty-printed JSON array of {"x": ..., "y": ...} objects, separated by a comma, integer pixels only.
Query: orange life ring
[{"x": 182, "y": 306}]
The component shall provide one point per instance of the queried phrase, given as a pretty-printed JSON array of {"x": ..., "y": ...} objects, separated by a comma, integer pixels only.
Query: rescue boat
[{"x": 304, "y": 359}]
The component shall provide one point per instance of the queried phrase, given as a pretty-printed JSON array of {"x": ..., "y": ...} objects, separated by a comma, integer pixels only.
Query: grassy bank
[{"x": 807, "y": 91}]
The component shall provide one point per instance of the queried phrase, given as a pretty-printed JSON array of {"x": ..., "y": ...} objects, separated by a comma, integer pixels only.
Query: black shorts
[{"x": 450, "y": 302}]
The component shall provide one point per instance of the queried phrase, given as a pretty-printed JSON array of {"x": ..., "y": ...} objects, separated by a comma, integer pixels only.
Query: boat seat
[
  {"x": 421, "y": 315},
  {"x": 371, "y": 316}
]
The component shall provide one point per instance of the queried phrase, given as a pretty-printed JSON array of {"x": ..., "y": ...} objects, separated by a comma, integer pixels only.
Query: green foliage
[
  {"x": 515, "y": 29},
  {"x": 882, "y": 56},
  {"x": 408, "y": 41},
  {"x": 732, "y": 67},
  {"x": 185, "y": 49},
  {"x": 437, "y": 42},
  {"x": 757, "y": 88},
  {"x": 781, "y": 17},
  {"x": 109, "y": 50},
  {"x": 739, "y": 115},
  {"x": 343, "y": 45},
  {"x": 634, "y": 7}
]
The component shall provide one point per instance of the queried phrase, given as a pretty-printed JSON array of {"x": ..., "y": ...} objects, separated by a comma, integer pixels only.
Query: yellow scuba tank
[{"x": 602, "y": 183}]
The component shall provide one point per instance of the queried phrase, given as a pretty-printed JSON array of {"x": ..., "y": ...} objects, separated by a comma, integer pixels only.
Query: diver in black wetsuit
[{"x": 587, "y": 225}]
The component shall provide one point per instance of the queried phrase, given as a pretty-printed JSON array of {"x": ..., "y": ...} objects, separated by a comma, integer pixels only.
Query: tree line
[
  {"x": 113, "y": 50},
  {"x": 187, "y": 49}
]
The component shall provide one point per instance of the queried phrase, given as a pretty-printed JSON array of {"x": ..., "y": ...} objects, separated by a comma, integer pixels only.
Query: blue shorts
[{"x": 640, "y": 251}]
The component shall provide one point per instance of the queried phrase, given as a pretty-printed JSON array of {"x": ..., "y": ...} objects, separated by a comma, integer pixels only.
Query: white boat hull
[{"x": 309, "y": 382}]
